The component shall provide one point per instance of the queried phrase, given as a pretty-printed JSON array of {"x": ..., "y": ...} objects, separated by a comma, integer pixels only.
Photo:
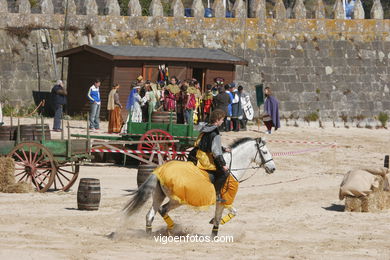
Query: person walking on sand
[
  {"x": 94, "y": 99},
  {"x": 271, "y": 111},
  {"x": 114, "y": 107}
]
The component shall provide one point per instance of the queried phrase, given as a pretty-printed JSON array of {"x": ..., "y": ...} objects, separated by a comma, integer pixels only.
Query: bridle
[{"x": 259, "y": 145}]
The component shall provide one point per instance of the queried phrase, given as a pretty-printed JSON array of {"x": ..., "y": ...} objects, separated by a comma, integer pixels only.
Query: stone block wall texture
[{"x": 331, "y": 66}]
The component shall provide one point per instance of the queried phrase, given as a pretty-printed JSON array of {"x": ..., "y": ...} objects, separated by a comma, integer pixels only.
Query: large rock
[
  {"x": 156, "y": 8},
  {"x": 90, "y": 7},
  {"x": 358, "y": 11},
  {"x": 377, "y": 10},
  {"x": 260, "y": 10},
  {"x": 47, "y": 7},
  {"x": 178, "y": 8},
  {"x": 24, "y": 6},
  {"x": 339, "y": 12},
  {"x": 219, "y": 9},
  {"x": 112, "y": 7},
  {"x": 72, "y": 8},
  {"x": 280, "y": 10},
  {"x": 134, "y": 8},
  {"x": 3, "y": 6},
  {"x": 319, "y": 11},
  {"x": 198, "y": 9},
  {"x": 239, "y": 9},
  {"x": 299, "y": 10}
]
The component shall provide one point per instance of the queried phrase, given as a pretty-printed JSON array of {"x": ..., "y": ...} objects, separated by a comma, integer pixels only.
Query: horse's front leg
[{"x": 217, "y": 218}]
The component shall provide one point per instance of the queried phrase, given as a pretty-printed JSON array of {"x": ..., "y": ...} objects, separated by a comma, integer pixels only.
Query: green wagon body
[
  {"x": 186, "y": 134},
  {"x": 46, "y": 162}
]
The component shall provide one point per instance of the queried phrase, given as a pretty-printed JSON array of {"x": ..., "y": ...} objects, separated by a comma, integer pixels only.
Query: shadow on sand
[{"x": 335, "y": 207}]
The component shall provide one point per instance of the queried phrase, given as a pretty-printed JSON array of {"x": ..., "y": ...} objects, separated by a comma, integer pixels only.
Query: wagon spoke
[
  {"x": 60, "y": 173},
  {"x": 60, "y": 180},
  {"x": 35, "y": 155},
  {"x": 20, "y": 173},
  {"x": 20, "y": 157},
  {"x": 43, "y": 173},
  {"x": 25, "y": 156},
  {"x": 63, "y": 170},
  {"x": 39, "y": 159},
  {"x": 22, "y": 177}
]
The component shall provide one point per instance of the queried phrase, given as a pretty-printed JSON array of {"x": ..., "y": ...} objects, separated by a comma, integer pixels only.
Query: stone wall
[{"x": 330, "y": 66}]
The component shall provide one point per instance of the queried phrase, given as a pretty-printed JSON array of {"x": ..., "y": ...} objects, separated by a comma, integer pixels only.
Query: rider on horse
[{"x": 207, "y": 154}]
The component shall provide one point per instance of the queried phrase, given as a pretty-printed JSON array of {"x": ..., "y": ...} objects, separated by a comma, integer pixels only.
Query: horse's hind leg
[
  {"x": 170, "y": 205},
  {"x": 217, "y": 218},
  {"x": 158, "y": 198}
]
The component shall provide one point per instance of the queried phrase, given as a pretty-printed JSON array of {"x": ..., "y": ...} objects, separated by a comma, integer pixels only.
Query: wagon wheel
[
  {"x": 34, "y": 163},
  {"x": 181, "y": 156},
  {"x": 67, "y": 173},
  {"x": 149, "y": 146}
]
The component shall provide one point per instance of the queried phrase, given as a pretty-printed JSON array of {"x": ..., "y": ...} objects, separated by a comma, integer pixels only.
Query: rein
[{"x": 247, "y": 168}]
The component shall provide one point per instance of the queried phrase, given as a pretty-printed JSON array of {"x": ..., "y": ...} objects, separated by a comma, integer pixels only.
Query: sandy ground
[{"x": 294, "y": 213}]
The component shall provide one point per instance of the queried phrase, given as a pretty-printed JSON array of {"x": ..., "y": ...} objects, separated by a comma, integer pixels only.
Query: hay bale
[
  {"x": 7, "y": 178},
  {"x": 377, "y": 200}
]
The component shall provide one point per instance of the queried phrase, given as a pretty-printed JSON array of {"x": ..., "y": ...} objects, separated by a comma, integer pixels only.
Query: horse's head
[{"x": 264, "y": 157}]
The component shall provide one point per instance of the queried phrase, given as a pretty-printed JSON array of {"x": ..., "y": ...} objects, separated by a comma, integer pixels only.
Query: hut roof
[{"x": 156, "y": 53}]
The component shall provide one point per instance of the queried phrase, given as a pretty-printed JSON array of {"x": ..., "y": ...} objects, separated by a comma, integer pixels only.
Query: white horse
[{"x": 243, "y": 152}]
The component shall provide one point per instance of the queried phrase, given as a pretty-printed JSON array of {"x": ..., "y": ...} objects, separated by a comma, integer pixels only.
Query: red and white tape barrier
[
  {"x": 299, "y": 142},
  {"x": 98, "y": 150}
]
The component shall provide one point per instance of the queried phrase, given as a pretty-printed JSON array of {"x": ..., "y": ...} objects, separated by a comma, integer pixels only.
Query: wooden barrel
[
  {"x": 144, "y": 171},
  {"x": 163, "y": 117},
  {"x": 34, "y": 132},
  {"x": 88, "y": 194},
  {"x": 5, "y": 133}
]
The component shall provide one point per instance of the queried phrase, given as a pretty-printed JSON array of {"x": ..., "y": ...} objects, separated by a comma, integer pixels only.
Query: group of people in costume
[{"x": 184, "y": 98}]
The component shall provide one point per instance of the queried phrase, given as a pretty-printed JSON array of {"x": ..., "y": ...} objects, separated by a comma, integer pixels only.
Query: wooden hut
[{"x": 123, "y": 64}]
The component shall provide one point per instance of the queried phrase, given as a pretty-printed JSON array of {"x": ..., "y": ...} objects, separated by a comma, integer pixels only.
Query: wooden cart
[
  {"x": 46, "y": 163},
  {"x": 154, "y": 140}
]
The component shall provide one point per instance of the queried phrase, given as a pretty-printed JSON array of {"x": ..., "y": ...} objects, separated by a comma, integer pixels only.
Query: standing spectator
[
  {"x": 94, "y": 99},
  {"x": 228, "y": 90},
  {"x": 207, "y": 102},
  {"x": 151, "y": 97},
  {"x": 222, "y": 101},
  {"x": 134, "y": 105},
  {"x": 271, "y": 111},
  {"x": 190, "y": 104},
  {"x": 169, "y": 95},
  {"x": 114, "y": 107},
  {"x": 236, "y": 110},
  {"x": 243, "y": 120},
  {"x": 181, "y": 101},
  {"x": 58, "y": 94}
]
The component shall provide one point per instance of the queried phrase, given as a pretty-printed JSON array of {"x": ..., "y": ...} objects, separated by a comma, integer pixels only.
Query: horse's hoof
[
  {"x": 148, "y": 230},
  {"x": 211, "y": 221}
]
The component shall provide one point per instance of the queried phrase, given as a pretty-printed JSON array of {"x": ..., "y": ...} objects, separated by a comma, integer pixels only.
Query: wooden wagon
[
  {"x": 46, "y": 163},
  {"x": 156, "y": 141}
]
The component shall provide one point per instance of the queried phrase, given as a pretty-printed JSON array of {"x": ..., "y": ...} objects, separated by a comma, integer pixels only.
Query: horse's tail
[{"x": 141, "y": 195}]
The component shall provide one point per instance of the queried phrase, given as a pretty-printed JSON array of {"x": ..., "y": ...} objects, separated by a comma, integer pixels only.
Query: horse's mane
[{"x": 240, "y": 141}]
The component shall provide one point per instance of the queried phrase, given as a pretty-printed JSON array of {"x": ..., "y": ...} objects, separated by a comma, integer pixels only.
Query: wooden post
[
  {"x": 42, "y": 130},
  {"x": 88, "y": 137},
  {"x": 18, "y": 133},
  {"x": 386, "y": 164},
  {"x": 69, "y": 145},
  {"x": 62, "y": 129}
]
